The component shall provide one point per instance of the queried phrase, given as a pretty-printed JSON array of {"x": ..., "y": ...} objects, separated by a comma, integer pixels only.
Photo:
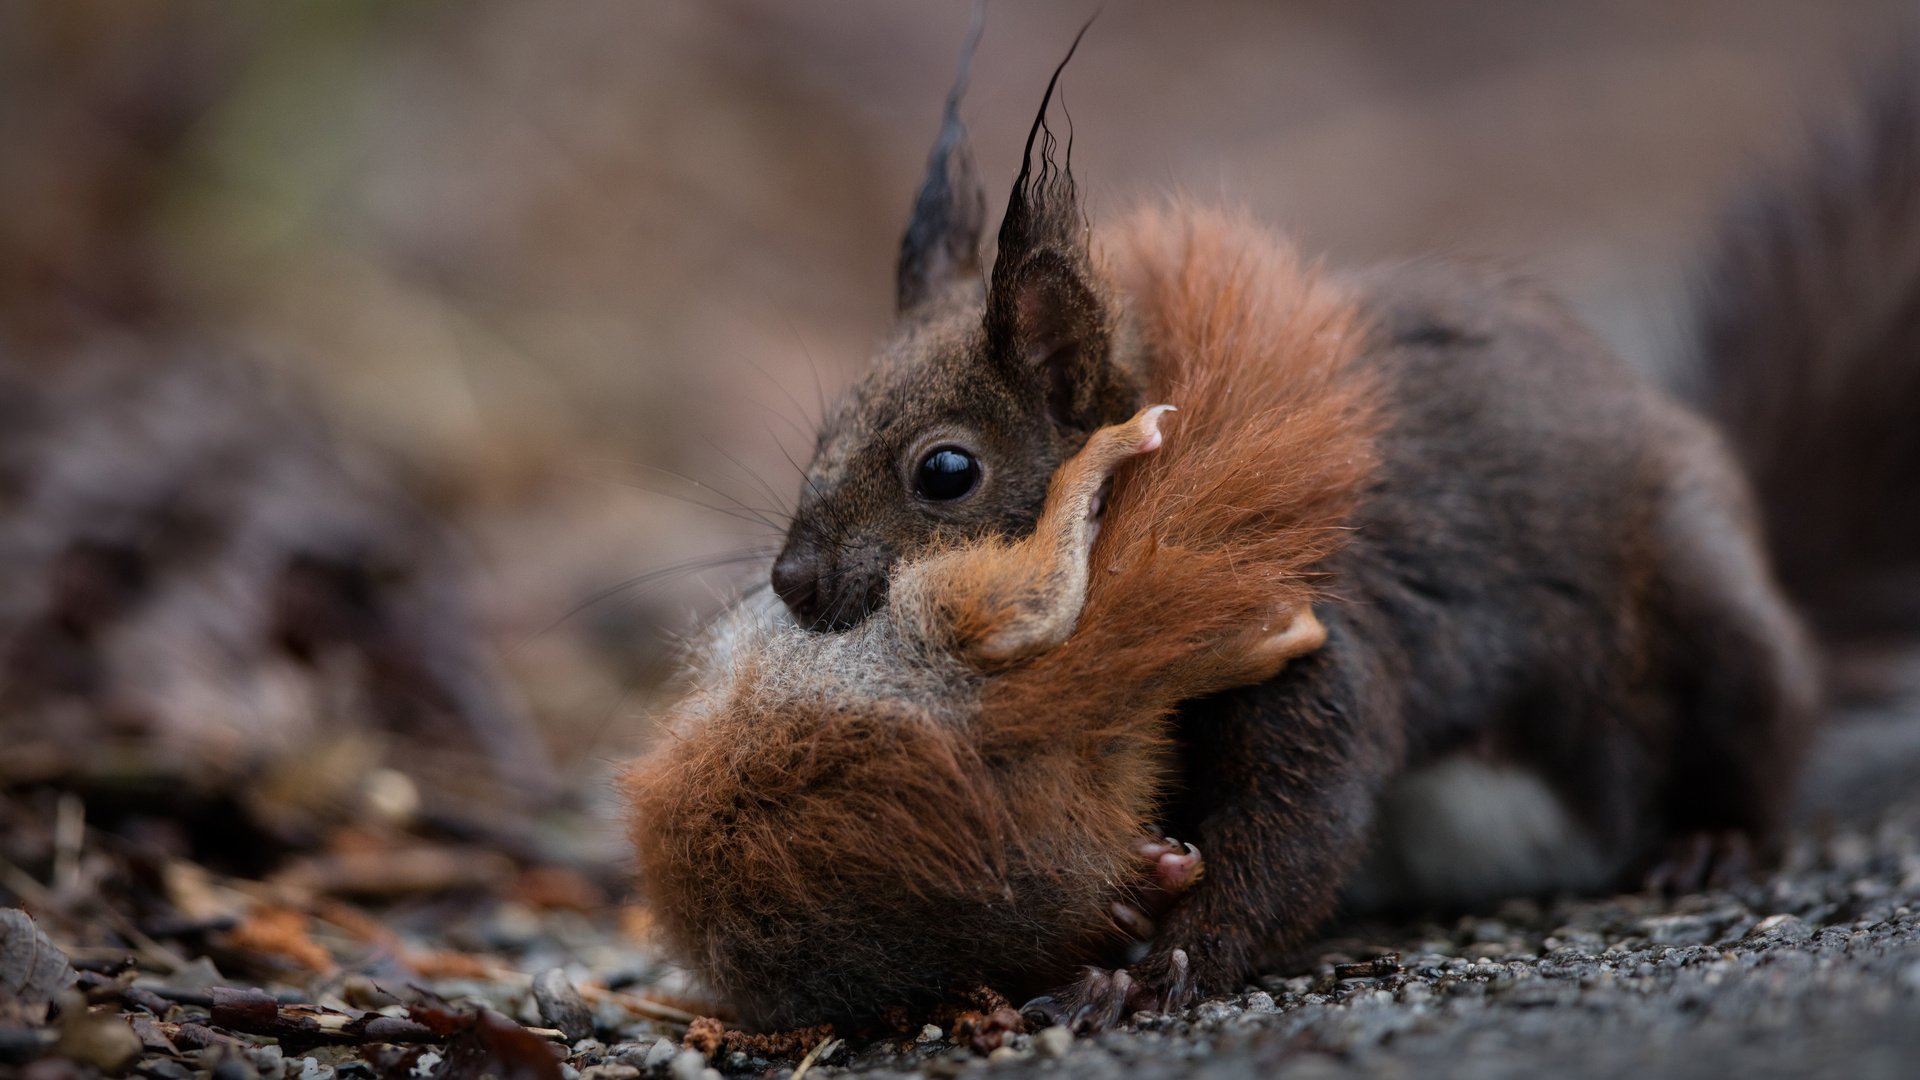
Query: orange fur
[
  {"x": 1218, "y": 532},
  {"x": 839, "y": 822}
]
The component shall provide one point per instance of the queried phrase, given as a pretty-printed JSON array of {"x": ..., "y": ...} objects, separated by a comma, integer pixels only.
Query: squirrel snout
[
  {"x": 796, "y": 580},
  {"x": 823, "y": 594}
]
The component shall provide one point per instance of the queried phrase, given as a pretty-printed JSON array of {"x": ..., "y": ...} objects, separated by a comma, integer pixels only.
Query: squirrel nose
[{"x": 796, "y": 580}]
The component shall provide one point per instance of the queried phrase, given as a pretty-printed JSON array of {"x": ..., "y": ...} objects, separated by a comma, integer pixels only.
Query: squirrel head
[{"x": 986, "y": 386}]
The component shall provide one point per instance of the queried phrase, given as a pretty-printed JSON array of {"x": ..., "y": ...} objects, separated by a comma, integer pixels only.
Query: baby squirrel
[{"x": 1504, "y": 547}]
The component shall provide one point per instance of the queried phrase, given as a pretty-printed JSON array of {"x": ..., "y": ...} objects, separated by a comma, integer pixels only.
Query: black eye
[{"x": 946, "y": 473}]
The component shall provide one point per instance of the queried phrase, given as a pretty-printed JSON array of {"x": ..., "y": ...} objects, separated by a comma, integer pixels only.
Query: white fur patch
[{"x": 1461, "y": 832}]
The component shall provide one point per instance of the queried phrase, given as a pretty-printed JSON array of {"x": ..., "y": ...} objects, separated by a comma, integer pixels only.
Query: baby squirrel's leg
[
  {"x": 995, "y": 603},
  {"x": 1292, "y": 768},
  {"x": 1045, "y": 605}
]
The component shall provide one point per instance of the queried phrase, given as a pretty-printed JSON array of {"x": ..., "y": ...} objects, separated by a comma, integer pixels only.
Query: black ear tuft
[
  {"x": 1047, "y": 321},
  {"x": 1045, "y": 206},
  {"x": 942, "y": 244}
]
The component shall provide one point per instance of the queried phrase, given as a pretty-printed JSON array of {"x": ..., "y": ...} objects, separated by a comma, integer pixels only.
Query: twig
[
  {"x": 69, "y": 839},
  {"x": 150, "y": 950},
  {"x": 38, "y": 896},
  {"x": 821, "y": 1049},
  {"x": 652, "y": 1010}
]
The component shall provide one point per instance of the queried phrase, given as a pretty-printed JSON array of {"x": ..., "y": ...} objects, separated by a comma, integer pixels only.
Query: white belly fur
[{"x": 1462, "y": 831}]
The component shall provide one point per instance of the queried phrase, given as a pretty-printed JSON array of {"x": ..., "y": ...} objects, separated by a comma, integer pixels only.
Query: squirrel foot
[
  {"x": 1176, "y": 866},
  {"x": 1101, "y": 998},
  {"x": 1172, "y": 868},
  {"x": 1702, "y": 860}
]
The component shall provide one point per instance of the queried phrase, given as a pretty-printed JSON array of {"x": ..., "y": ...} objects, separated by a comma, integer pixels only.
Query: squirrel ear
[
  {"x": 1047, "y": 316},
  {"x": 1060, "y": 336},
  {"x": 942, "y": 244}
]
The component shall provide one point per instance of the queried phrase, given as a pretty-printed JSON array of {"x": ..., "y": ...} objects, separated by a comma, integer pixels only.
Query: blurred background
[{"x": 496, "y": 327}]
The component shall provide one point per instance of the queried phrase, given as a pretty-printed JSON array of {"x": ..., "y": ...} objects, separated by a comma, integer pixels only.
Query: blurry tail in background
[{"x": 1810, "y": 361}]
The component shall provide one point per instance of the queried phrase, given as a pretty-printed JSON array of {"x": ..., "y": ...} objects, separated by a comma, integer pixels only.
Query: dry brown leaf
[
  {"x": 283, "y": 932},
  {"x": 545, "y": 888},
  {"x": 33, "y": 970}
]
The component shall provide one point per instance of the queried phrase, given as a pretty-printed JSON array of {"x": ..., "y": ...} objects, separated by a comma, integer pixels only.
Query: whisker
[
  {"x": 819, "y": 389},
  {"x": 706, "y": 562},
  {"x": 765, "y": 488},
  {"x": 740, "y": 511},
  {"x": 791, "y": 400}
]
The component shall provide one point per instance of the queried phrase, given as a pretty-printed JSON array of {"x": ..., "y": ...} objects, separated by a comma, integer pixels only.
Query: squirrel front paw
[
  {"x": 1101, "y": 998},
  {"x": 1171, "y": 869}
]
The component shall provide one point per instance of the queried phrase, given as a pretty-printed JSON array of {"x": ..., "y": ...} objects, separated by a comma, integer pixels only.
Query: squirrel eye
[{"x": 945, "y": 474}]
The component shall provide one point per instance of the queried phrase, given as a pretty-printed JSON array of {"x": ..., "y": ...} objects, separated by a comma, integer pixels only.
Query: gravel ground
[{"x": 1813, "y": 972}]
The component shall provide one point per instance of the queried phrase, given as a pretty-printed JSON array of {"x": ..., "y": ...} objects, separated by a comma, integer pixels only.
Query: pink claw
[
  {"x": 1134, "y": 922},
  {"x": 1178, "y": 872},
  {"x": 1176, "y": 866},
  {"x": 1150, "y": 423}
]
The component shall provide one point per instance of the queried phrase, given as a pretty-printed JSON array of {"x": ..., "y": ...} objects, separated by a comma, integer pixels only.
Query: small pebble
[
  {"x": 688, "y": 1065},
  {"x": 1053, "y": 1042},
  {"x": 234, "y": 1068},
  {"x": 561, "y": 1006},
  {"x": 930, "y": 1033},
  {"x": 660, "y": 1053},
  {"x": 268, "y": 1061}
]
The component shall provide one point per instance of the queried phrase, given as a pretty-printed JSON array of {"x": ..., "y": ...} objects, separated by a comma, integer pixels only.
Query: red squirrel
[
  {"x": 1522, "y": 563},
  {"x": 960, "y": 789}
]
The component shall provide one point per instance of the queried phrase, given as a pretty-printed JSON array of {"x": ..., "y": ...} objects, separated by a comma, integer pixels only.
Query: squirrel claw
[
  {"x": 1102, "y": 998},
  {"x": 1172, "y": 869},
  {"x": 1177, "y": 871},
  {"x": 1043, "y": 1011},
  {"x": 1702, "y": 860},
  {"x": 1179, "y": 991},
  {"x": 1134, "y": 921}
]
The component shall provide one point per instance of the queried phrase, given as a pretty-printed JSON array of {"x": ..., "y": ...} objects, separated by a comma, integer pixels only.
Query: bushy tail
[{"x": 1810, "y": 349}]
